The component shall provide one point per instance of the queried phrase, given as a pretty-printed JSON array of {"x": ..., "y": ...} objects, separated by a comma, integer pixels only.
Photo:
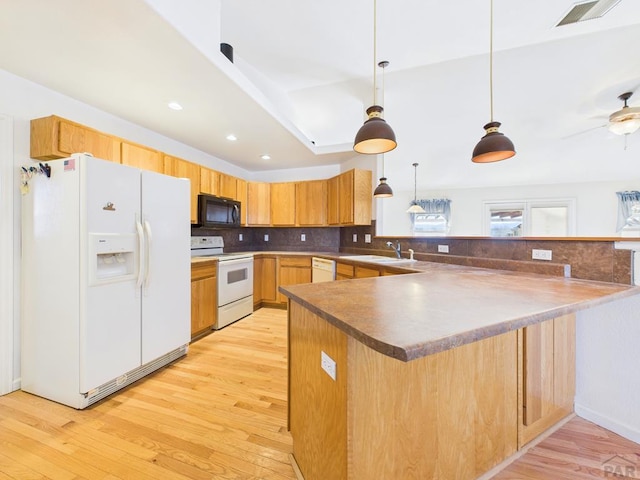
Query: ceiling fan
[
  {"x": 621, "y": 122},
  {"x": 627, "y": 119}
]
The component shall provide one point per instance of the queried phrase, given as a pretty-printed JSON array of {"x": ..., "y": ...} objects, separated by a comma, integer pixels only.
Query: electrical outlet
[
  {"x": 355, "y": 238},
  {"x": 367, "y": 238},
  {"x": 328, "y": 364},
  {"x": 266, "y": 237},
  {"x": 443, "y": 248},
  {"x": 240, "y": 237},
  {"x": 303, "y": 237},
  {"x": 540, "y": 254}
]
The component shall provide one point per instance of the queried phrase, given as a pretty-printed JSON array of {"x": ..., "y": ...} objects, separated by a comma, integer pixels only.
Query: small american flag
[{"x": 69, "y": 164}]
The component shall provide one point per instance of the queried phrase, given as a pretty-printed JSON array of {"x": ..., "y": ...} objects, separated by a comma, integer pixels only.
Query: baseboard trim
[
  {"x": 608, "y": 423},
  {"x": 296, "y": 468}
]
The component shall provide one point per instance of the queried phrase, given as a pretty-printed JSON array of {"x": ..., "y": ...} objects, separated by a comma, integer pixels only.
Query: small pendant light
[
  {"x": 494, "y": 146},
  {"x": 383, "y": 190},
  {"x": 415, "y": 208},
  {"x": 375, "y": 136}
]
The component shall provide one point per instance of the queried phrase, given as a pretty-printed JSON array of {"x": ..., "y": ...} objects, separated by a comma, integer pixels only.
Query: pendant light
[
  {"x": 375, "y": 136},
  {"x": 383, "y": 190},
  {"x": 494, "y": 146},
  {"x": 415, "y": 208}
]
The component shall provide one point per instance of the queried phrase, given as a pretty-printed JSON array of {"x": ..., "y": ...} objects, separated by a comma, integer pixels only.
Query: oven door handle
[{"x": 235, "y": 261}]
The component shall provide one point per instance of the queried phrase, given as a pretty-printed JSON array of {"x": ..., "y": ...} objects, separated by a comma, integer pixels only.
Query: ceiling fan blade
[{"x": 584, "y": 131}]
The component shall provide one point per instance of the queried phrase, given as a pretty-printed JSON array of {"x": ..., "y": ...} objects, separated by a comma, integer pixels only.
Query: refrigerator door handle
[
  {"x": 148, "y": 237},
  {"x": 141, "y": 254}
]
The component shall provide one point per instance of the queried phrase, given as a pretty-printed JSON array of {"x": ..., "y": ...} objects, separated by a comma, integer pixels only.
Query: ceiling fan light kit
[
  {"x": 625, "y": 120},
  {"x": 494, "y": 146},
  {"x": 375, "y": 136}
]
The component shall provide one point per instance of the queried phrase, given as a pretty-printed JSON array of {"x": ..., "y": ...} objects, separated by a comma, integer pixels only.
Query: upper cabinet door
[
  {"x": 258, "y": 203},
  {"x": 311, "y": 203},
  {"x": 333, "y": 201},
  {"x": 283, "y": 203},
  {"x": 209, "y": 181},
  {"x": 228, "y": 186},
  {"x": 182, "y": 169},
  {"x": 54, "y": 137},
  {"x": 142, "y": 157}
]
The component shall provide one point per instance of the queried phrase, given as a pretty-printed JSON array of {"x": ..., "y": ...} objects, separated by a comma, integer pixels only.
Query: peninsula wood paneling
[
  {"x": 546, "y": 372},
  {"x": 317, "y": 408},
  {"x": 444, "y": 416}
]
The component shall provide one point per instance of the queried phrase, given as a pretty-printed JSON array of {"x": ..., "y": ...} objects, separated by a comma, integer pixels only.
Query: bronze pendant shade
[
  {"x": 383, "y": 190},
  {"x": 494, "y": 146},
  {"x": 375, "y": 136}
]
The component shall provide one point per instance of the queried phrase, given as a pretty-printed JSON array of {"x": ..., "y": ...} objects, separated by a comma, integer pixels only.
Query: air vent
[{"x": 587, "y": 11}]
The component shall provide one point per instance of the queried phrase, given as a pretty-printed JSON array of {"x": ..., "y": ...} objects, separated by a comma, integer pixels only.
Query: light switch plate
[
  {"x": 303, "y": 237},
  {"x": 443, "y": 248},
  {"x": 240, "y": 237},
  {"x": 367, "y": 238},
  {"x": 328, "y": 364},
  {"x": 266, "y": 237},
  {"x": 355, "y": 238}
]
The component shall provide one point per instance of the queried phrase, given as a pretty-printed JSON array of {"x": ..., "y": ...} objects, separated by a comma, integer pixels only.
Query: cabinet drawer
[
  {"x": 344, "y": 270},
  {"x": 295, "y": 261},
  {"x": 204, "y": 269}
]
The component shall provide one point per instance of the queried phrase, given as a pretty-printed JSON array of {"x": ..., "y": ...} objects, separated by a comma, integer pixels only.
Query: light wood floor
[
  {"x": 220, "y": 413},
  {"x": 579, "y": 450}
]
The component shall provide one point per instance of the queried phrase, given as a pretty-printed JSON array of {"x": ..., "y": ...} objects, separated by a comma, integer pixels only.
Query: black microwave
[{"x": 218, "y": 211}]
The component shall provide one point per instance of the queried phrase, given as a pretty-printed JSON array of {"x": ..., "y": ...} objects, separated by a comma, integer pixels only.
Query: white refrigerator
[{"x": 105, "y": 278}]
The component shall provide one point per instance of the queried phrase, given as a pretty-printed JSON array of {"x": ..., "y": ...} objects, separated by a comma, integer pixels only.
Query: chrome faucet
[{"x": 397, "y": 248}]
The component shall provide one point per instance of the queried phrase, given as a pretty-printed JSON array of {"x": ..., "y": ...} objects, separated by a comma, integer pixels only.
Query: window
[
  {"x": 435, "y": 220},
  {"x": 531, "y": 218}
]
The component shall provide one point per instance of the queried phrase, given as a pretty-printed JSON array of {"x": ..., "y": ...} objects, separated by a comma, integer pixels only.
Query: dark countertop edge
[{"x": 453, "y": 341}]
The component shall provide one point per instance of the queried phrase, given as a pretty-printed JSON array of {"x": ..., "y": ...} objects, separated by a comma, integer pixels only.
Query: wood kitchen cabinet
[
  {"x": 366, "y": 272},
  {"x": 293, "y": 271},
  {"x": 283, "y": 204},
  {"x": 264, "y": 281},
  {"x": 349, "y": 198},
  {"x": 181, "y": 168},
  {"x": 228, "y": 186},
  {"x": 344, "y": 271},
  {"x": 547, "y": 371},
  {"x": 311, "y": 203},
  {"x": 209, "y": 181},
  {"x": 54, "y": 137},
  {"x": 141, "y": 157},
  {"x": 241, "y": 196},
  {"x": 204, "y": 297},
  {"x": 258, "y": 204}
]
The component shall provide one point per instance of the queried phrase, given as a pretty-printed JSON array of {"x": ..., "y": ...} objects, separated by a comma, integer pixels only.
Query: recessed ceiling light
[
  {"x": 174, "y": 106},
  {"x": 231, "y": 137},
  {"x": 265, "y": 157}
]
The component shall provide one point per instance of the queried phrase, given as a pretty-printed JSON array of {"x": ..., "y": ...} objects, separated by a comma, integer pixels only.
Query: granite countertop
[{"x": 413, "y": 315}]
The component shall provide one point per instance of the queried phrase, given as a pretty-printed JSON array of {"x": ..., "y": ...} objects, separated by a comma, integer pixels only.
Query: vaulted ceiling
[{"x": 302, "y": 78}]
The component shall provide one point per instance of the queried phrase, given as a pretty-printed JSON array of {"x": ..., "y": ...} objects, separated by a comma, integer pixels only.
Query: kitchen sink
[{"x": 379, "y": 259}]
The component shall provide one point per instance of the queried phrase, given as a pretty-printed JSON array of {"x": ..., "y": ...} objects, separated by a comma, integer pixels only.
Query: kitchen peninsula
[{"x": 437, "y": 375}]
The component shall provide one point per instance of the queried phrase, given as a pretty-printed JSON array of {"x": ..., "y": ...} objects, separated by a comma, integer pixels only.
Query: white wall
[
  {"x": 608, "y": 384},
  {"x": 596, "y": 206}
]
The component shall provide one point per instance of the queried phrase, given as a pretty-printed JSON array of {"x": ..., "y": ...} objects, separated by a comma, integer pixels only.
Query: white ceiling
[{"x": 303, "y": 72}]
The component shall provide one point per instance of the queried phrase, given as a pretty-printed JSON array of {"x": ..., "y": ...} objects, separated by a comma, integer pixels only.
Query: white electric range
[{"x": 235, "y": 279}]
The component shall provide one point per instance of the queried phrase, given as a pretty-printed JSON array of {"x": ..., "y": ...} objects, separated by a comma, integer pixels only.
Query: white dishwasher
[{"x": 322, "y": 270}]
